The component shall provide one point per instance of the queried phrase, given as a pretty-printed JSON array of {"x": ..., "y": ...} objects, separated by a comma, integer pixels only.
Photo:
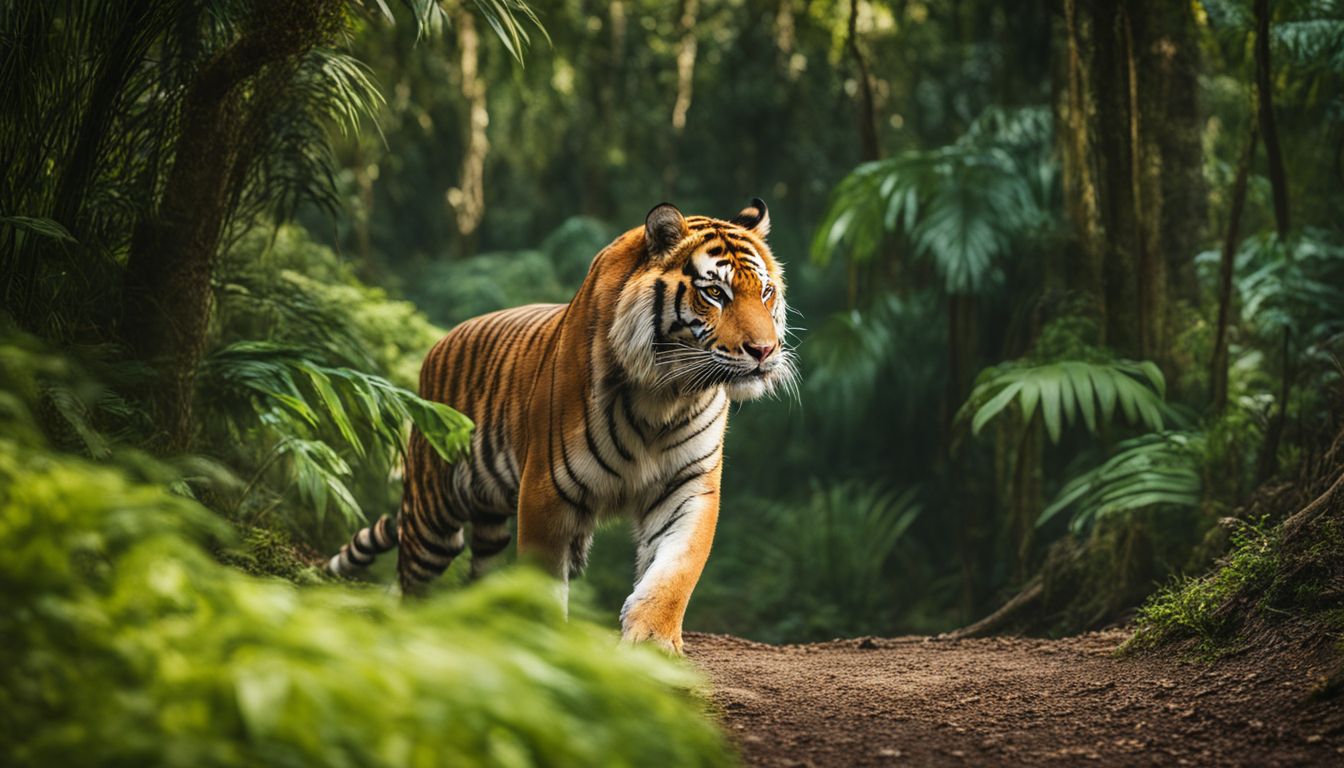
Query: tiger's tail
[{"x": 363, "y": 547}]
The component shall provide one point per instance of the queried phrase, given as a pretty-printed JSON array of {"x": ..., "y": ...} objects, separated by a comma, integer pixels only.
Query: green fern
[
  {"x": 299, "y": 401},
  {"x": 961, "y": 206},
  {"x": 1293, "y": 284},
  {"x": 1069, "y": 390},
  {"x": 1160, "y": 468}
]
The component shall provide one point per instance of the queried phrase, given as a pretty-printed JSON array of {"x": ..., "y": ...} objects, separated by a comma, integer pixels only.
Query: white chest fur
[{"x": 638, "y": 447}]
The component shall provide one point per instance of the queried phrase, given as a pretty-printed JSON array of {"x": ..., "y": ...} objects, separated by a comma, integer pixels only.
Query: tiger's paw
[{"x": 642, "y": 622}]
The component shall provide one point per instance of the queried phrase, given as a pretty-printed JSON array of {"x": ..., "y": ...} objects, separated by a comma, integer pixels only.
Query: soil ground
[{"x": 1019, "y": 701}]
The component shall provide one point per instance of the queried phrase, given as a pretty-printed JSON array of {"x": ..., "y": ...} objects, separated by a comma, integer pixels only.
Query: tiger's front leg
[
  {"x": 547, "y": 527},
  {"x": 674, "y": 538}
]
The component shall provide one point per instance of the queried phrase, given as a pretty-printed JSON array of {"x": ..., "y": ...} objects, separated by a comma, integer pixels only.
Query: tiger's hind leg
[
  {"x": 491, "y": 534},
  {"x": 429, "y": 533}
]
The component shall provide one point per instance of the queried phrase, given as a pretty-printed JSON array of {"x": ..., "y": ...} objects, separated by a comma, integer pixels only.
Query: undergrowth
[
  {"x": 127, "y": 643},
  {"x": 1202, "y": 607}
]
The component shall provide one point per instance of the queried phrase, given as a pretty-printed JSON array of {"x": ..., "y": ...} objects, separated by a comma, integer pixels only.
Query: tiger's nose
[{"x": 758, "y": 351}]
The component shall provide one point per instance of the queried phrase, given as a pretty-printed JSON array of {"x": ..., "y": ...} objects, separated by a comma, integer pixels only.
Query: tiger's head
[{"x": 705, "y": 307}]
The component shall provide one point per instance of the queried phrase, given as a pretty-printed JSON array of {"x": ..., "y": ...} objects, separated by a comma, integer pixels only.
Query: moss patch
[{"x": 1202, "y": 608}]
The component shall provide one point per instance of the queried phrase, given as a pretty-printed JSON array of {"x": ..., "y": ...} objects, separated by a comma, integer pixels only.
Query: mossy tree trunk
[
  {"x": 166, "y": 309},
  {"x": 1129, "y": 130}
]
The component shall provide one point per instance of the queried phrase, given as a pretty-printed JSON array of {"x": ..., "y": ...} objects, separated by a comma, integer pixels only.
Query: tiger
[{"x": 613, "y": 405}]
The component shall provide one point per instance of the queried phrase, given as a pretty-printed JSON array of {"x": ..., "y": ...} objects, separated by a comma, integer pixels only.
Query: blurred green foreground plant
[{"x": 127, "y": 643}]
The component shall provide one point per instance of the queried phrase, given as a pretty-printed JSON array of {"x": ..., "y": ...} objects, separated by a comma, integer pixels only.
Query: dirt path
[{"x": 1000, "y": 701}]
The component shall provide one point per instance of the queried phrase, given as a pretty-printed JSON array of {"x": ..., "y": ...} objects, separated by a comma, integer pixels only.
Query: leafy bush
[
  {"x": 572, "y": 246},
  {"x": 281, "y": 286},
  {"x": 127, "y": 644}
]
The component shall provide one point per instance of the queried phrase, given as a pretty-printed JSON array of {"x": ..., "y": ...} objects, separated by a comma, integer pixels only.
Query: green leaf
[
  {"x": 1103, "y": 384},
  {"x": 996, "y": 404},
  {"x": 1049, "y": 386},
  {"x": 1082, "y": 385},
  {"x": 40, "y": 226}
]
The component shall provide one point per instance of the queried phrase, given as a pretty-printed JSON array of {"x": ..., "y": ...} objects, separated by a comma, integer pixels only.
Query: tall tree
[
  {"x": 1129, "y": 130},
  {"x": 1264, "y": 89},
  {"x": 166, "y": 309},
  {"x": 1232, "y": 238}
]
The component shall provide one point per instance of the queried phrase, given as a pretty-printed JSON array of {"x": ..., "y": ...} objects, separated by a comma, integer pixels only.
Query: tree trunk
[
  {"x": 868, "y": 145},
  {"x": 1269, "y": 452},
  {"x": 1082, "y": 203},
  {"x": 467, "y": 201},
  {"x": 869, "y": 148},
  {"x": 1129, "y": 133},
  {"x": 685, "y": 65},
  {"x": 1218, "y": 366},
  {"x": 1264, "y": 89},
  {"x": 166, "y": 308}
]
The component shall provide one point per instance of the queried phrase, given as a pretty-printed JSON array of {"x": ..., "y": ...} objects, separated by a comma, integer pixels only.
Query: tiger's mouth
[{"x": 690, "y": 368}]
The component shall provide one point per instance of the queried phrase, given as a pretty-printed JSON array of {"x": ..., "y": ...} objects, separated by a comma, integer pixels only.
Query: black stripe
[
  {"x": 361, "y": 549},
  {"x": 555, "y": 481},
  {"x": 489, "y": 547},
  {"x": 431, "y": 570},
  {"x": 672, "y": 519},
  {"x": 385, "y": 533},
  {"x": 592, "y": 445},
  {"x": 659, "y": 289},
  {"x": 611, "y": 430},
  {"x": 490, "y": 518},
  {"x": 684, "y": 421},
  {"x": 678, "y": 480},
  {"x": 490, "y": 431},
  {"x": 701, "y": 430},
  {"x": 432, "y": 547},
  {"x": 355, "y": 557},
  {"x": 501, "y": 403},
  {"x": 438, "y": 524},
  {"x": 584, "y": 490},
  {"x": 630, "y": 415},
  {"x": 681, "y": 295},
  {"x": 453, "y": 373}
]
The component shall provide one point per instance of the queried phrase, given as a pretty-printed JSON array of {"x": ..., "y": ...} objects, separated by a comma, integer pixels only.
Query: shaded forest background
[{"x": 1070, "y": 276}]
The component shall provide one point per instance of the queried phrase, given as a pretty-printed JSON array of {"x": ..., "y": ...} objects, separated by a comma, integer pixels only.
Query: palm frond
[
  {"x": 962, "y": 206},
  {"x": 1159, "y": 468},
  {"x": 1068, "y": 391},
  {"x": 509, "y": 19},
  {"x": 40, "y": 226}
]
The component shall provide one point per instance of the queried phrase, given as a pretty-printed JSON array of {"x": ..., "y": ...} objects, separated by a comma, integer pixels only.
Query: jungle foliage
[{"x": 1068, "y": 289}]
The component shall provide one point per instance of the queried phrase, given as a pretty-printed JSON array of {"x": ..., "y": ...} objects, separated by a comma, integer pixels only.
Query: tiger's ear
[
  {"x": 664, "y": 227},
  {"x": 755, "y": 217}
]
